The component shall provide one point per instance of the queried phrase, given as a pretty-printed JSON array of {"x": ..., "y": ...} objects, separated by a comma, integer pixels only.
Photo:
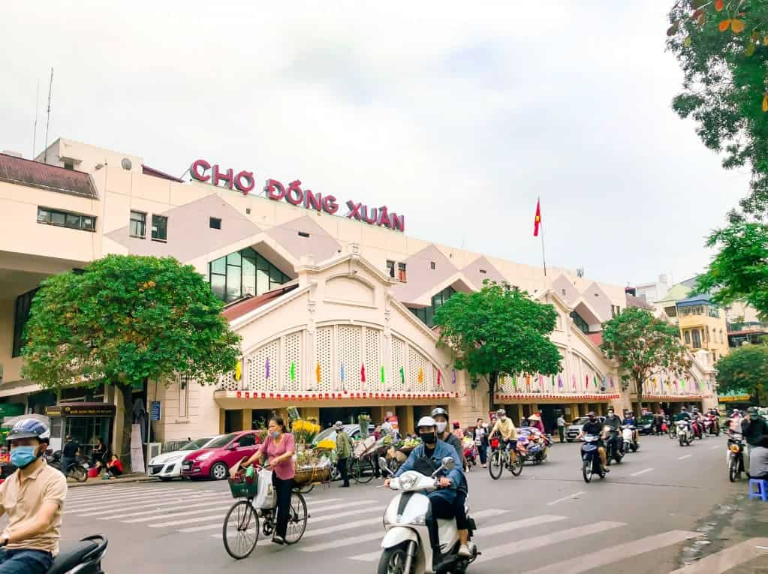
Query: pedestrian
[
  {"x": 754, "y": 429},
  {"x": 278, "y": 448},
  {"x": 343, "y": 452},
  {"x": 658, "y": 421},
  {"x": 69, "y": 454},
  {"x": 561, "y": 427},
  {"x": 114, "y": 467},
  {"x": 481, "y": 441},
  {"x": 33, "y": 498},
  {"x": 98, "y": 454}
]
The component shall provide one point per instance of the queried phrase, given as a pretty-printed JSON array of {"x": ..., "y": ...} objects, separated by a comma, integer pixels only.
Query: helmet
[
  {"x": 338, "y": 425},
  {"x": 29, "y": 428},
  {"x": 501, "y": 412},
  {"x": 440, "y": 411},
  {"x": 426, "y": 422}
]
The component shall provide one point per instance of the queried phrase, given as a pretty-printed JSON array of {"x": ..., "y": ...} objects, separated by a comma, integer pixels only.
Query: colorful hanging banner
[
  {"x": 528, "y": 381},
  {"x": 343, "y": 374},
  {"x": 266, "y": 369},
  {"x": 402, "y": 375},
  {"x": 293, "y": 371},
  {"x": 421, "y": 375},
  {"x": 382, "y": 375},
  {"x": 559, "y": 382},
  {"x": 574, "y": 381},
  {"x": 439, "y": 378},
  {"x": 453, "y": 377},
  {"x": 317, "y": 372},
  {"x": 611, "y": 381},
  {"x": 362, "y": 373}
]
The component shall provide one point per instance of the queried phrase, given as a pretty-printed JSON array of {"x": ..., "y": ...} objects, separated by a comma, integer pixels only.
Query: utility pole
[
  {"x": 48, "y": 120},
  {"x": 37, "y": 111}
]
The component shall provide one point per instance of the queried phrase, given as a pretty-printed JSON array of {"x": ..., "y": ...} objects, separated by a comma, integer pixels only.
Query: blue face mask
[
  {"x": 23, "y": 456},
  {"x": 275, "y": 435}
]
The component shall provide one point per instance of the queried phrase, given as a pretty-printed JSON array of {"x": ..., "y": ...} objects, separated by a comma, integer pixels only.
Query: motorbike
[
  {"x": 697, "y": 427},
  {"x": 684, "y": 433},
  {"x": 534, "y": 445},
  {"x": 712, "y": 426},
  {"x": 671, "y": 429},
  {"x": 735, "y": 456},
  {"x": 470, "y": 454},
  {"x": 78, "y": 470},
  {"x": 83, "y": 557},
  {"x": 406, "y": 546},
  {"x": 629, "y": 442},
  {"x": 613, "y": 443},
  {"x": 591, "y": 463}
]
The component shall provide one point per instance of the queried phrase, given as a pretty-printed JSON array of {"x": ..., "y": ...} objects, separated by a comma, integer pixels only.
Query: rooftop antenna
[
  {"x": 37, "y": 110},
  {"x": 48, "y": 119}
]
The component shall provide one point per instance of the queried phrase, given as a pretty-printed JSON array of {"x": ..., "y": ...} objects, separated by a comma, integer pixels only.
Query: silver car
[{"x": 575, "y": 428}]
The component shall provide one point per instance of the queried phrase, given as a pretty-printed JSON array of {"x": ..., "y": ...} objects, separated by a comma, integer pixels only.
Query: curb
[{"x": 100, "y": 482}]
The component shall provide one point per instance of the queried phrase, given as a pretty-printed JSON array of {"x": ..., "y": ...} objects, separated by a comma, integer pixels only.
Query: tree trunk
[
  {"x": 639, "y": 387},
  {"x": 492, "y": 380},
  {"x": 125, "y": 439}
]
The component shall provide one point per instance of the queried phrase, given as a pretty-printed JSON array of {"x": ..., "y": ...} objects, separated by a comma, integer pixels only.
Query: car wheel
[{"x": 219, "y": 471}]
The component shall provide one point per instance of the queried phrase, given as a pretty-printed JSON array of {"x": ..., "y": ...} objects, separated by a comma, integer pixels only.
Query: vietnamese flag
[{"x": 537, "y": 219}]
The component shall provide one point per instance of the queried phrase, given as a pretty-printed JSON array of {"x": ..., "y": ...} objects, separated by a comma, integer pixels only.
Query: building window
[
  {"x": 696, "y": 339},
  {"x": 138, "y": 224},
  {"x": 427, "y": 314},
  {"x": 391, "y": 268},
  {"x": 184, "y": 396},
  {"x": 687, "y": 335},
  {"x": 579, "y": 321},
  {"x": 159, "y": 228},
  {"x": 20, "y": 318},
  {"x": 562, "y": 291},
  {"x": 432, "y": 265},
  {"x": 303, "y": 234},
  {"x": 243, "y": 273},
  {"x": 714, "y": 357},
  {"x": 66, "y": 219},
  {"x": 401, "y": 276},
  {"x": 483, "y": 271},
  {"x": 214, "y": 223},
  {"x": 69, "y": 165}
]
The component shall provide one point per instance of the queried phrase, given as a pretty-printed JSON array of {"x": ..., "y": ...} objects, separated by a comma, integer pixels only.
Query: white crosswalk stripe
[{"x": 728, "y": 558}]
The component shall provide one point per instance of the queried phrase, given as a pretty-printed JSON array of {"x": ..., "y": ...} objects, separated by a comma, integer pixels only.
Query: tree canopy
[
  {"x": 125, "y": 320},
  {"x": 499, "y": 331},
  {"x": 722, "y": 48},
  {"x": 744, "y": 370},
  {"x": 643, "y": 346}
]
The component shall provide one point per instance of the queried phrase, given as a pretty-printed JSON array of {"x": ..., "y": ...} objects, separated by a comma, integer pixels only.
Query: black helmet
[
  {"x": 440, "y": 411},
  {"x": 29, "y": 428}
]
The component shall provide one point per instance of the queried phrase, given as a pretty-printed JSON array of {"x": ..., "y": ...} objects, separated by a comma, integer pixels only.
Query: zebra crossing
[{"x": 352, "y": 529}]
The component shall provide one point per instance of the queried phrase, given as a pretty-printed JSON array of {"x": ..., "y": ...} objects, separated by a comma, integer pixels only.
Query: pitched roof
[
  {"x": 700, "y": 299},
  {"x": 422, "y": 278},
  {"x": 480, "y": 270},
  {"x": 633, "y": 301},
  {"x": 304, "y": 236},
  {"x": 48, "y": 177},
  {"x": 239, "y": 308},
  {"x": 146, "y": 170}
]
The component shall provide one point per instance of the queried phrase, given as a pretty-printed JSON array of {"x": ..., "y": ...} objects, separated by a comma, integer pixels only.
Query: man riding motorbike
[
  {"x": 614, "y": 434},
  {"x": 426, "y": 459},
  {"x": 697, "y": 423},
  {"x": 629, "y": 420},
  {"x": 444, "y": 434},
  {"x": 506, "y": 429},
  {"x": 595, "y": 427}
]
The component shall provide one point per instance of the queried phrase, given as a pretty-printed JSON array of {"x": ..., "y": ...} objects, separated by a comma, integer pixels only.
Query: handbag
[{"x": 265, "y": 493}]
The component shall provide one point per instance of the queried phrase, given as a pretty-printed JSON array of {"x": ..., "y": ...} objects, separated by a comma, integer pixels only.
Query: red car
[{"x": 220, "y": 455}]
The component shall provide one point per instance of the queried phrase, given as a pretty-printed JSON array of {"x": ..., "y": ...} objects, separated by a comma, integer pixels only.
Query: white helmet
[{"x": 426, "y": 422}]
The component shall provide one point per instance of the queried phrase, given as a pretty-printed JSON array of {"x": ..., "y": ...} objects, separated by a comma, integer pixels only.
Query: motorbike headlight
[
  {"x": 408, "y": 481},
  {"x": 734, "y": 448}
]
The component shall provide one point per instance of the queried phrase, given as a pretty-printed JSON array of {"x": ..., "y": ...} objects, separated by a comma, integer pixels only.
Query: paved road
[{"x": 665, "y": 509}]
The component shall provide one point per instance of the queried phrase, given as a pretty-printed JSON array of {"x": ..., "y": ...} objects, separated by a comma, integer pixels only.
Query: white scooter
[
  {"x": 406, "y": 545},
  {"x": 684, "y": 433},
  {"x": 628, "y": 436}
]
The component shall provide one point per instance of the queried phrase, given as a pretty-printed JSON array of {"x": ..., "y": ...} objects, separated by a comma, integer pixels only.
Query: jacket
[
  {"x": 343, "y": 445},
  {"x": 456, "y": 476}
]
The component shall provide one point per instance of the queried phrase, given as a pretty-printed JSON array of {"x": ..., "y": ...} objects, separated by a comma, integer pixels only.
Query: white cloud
[{"x": 457, "y": 115}]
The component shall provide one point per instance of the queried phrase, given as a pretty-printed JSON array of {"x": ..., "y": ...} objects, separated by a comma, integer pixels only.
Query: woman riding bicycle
[
  {"x": 506, "y": 428},
  {"x": 278, "y": 447}
]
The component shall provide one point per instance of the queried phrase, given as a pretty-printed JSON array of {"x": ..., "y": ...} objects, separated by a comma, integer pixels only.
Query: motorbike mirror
[{"x": 448, "y": 463}]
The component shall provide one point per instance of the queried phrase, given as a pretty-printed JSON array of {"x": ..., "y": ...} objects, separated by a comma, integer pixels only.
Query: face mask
[
  {"x": 591, "y": 419},
  {"x": 611, "y": 415},
  {"x": 441, "y": 427},
  {"x": 428, "y": 438},
  {"x": 275, "y": 435},
  {"x": 503, "y": 417},
  {"x": 23, "y": 456}
]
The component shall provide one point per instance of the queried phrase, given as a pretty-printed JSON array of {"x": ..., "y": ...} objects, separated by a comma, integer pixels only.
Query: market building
[{"x": 334, "y": 301}]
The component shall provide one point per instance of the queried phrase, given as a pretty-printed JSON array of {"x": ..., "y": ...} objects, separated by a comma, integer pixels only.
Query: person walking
[
  {"x": 343, "y": 452},
  {"x": 69, "y": 454},
  {"x": 561, "y": 427},
  {"x": 278, "y": 449},
  {"x": 481, "y": 441}
]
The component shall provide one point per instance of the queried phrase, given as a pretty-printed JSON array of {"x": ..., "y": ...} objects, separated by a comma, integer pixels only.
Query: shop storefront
[{"x": 84, "y": 422}]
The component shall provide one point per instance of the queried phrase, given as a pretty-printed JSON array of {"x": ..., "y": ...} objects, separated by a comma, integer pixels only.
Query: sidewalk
[{"x": 136, "y": 477}]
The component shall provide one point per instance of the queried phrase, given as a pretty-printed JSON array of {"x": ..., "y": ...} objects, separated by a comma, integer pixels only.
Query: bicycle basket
[{"x": 243, "y": 487}]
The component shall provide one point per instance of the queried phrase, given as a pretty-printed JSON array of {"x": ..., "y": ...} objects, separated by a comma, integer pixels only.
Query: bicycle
[
  {"x": 362, "y": 469},
  {"x": 500, "y": 459},
  {"x": 241, "y": 524}
]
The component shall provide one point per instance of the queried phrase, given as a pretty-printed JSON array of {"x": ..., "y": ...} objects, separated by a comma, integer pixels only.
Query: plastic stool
[{"x": 761, "y": 492}]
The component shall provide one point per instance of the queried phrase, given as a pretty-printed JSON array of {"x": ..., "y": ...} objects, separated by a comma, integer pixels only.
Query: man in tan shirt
[{"x": 33, "y": 498}]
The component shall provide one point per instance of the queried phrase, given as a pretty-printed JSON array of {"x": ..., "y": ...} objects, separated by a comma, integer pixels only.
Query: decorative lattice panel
[
  {"x": 227, "y": 382},
  {"x": 261, "y": 368},
  {"x": 291, "y": 375},
  {"x": 398, "y": 363},
  {"x": 348, "y": 351},
  {"x": 324, "y": 341},
  {"x": 419, "y": 371},
  {"x": 373, "y": 360}
]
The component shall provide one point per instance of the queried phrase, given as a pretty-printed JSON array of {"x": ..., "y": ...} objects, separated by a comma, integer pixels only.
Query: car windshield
[
  {"x": 222, "y": 441},
  {"x": 327, "y": 433},
  {"x": 581, "y": 421},
  {"x": 196, "y": 444}
]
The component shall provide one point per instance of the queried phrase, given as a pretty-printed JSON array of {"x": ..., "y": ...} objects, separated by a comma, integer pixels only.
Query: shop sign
[
  {"x": 244, "y": 182},
  {"x": 734, "y": 398},
  {"x": 11, "y": 410},
  {"x": 83, "y": 410}
]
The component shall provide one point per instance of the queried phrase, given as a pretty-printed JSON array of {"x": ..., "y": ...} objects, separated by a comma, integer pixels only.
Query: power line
[{"x": 48, "y": 120}]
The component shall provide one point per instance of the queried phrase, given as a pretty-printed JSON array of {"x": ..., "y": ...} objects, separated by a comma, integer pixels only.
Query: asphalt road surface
[{"x": 665, "y": 509}]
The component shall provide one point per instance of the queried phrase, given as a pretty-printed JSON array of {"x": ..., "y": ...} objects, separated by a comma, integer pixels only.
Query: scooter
[
  {"x": 628, "y": 438},
  {"x": 406, "y": 546},
  {"x": 83, "y": 557},
  {"x": 591, "y": 463},
  {"x": 735, "y": 456},
  {"x": 684, "y": 433},
  {"x": 613, "y": 444}
]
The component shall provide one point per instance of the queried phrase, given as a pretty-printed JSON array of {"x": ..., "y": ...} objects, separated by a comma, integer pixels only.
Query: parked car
[
  {"x": 575, "y": 428},
  {"x": 219, "y": 455},
  {"x": 352, "y": 430},
  {"x": 167, "y": 466},
  {"x": 645, "y": 424}
]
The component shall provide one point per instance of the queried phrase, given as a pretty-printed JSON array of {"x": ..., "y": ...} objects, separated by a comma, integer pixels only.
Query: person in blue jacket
[{"x": 426, "y": 459}]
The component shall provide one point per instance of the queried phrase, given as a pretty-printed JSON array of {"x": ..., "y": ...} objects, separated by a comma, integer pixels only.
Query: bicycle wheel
[
  {"x": 241, "y": 530},
  {"x": 516, "y": 467},
  {"x": 297, "y": 523},
  {"x": 496, "y": 465},
  {"x": 362, "y": 470}
]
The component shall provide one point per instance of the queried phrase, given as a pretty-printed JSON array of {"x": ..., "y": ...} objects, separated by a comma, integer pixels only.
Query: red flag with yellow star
[{"x": 537, "y": 219}]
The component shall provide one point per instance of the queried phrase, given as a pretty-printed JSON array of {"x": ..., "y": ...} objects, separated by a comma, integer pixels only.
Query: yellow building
[{"x": 703, "y": 326}]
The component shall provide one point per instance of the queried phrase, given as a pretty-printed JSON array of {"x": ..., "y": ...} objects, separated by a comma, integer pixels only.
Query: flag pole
[{"x": 543, "y": 256}]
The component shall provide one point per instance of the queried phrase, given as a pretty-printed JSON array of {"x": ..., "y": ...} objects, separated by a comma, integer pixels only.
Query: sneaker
[
  {"x": 464, "y": 551},
  {"x": 607, "y": 469},
  {"x": 278, "y": 540}
]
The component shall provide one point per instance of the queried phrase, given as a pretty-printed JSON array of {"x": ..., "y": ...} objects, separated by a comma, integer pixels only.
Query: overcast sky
[{"x": 457, "y": 114}]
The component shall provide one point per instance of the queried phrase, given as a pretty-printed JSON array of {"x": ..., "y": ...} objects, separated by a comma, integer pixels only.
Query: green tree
[
  {"x": 722, "y": 48},
  {"x": 643, "y": 346},
  {"x": 744, "y": 370},
  {"x": 499, "y": 331},
  {"x": 125, "y": 320},
  {"x": 740, "y": 270}
]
